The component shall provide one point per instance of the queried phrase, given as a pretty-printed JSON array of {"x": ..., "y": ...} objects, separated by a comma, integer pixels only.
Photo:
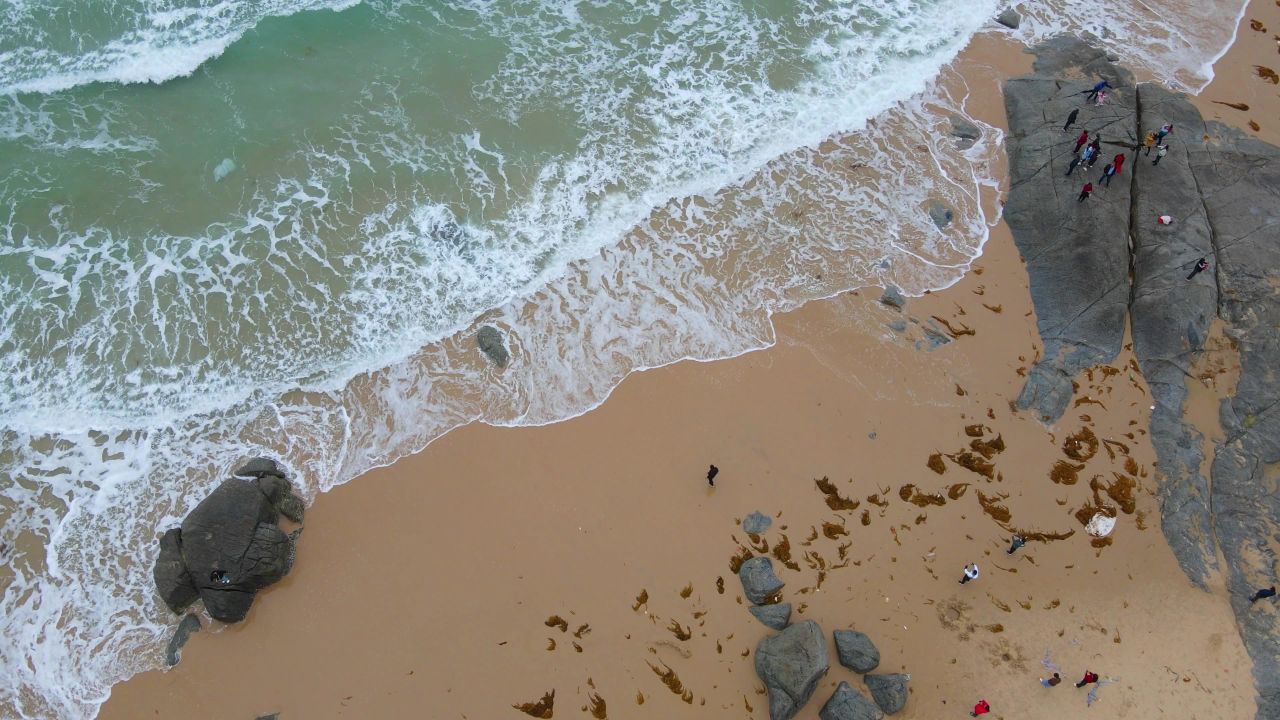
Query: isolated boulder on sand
[
  {"x": 758, "y": 581},
  {"x": 849, "y": 704},
  {"x": 774, "y": 617},
  {"x": 790, "y": 664},
  {"x": 893, "y": 297},
  {"x": 856, "y": 651},
  {"x": 229, "y": 546},
  {"x": 889, "y": 691}
]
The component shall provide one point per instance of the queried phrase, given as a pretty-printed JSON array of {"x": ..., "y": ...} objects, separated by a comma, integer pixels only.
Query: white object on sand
[{"x": 1100, "y": 525}]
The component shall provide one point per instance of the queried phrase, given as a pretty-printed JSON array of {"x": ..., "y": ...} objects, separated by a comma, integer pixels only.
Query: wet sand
[{"x": 431, "y": 588}]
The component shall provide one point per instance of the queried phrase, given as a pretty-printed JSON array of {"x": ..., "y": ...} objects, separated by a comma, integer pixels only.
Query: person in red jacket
[
  {"x": 1089, "y": 677},
  {"x": 1118, "y": 161},
  {"x": 1080, "y": 141},
  {"x": 982, "y": 708},
  {"x": 1085, "y": 192}
]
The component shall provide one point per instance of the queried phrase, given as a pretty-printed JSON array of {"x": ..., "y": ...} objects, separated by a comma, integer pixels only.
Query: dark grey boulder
[
  {"x": 774, "y": 617},
  {"x": 790, "y": 664},
  {"x": 272, "y": 716},
  {"x": 173, "y": 653},
  {"x": 849, "y": 704},
  {"x": 759, "y": 583},
  {"x": 893, "y": 297},
  {"x": 229, "y": 547},
  {"x": 1010, "y": 19},
  {"x": 940, "y": 214},
  {"x": 856, "y": 651},
  {"x": 756, "y": 523},
  {"x": 490, "y": 342},
  {"x": 889, "y": 691}
]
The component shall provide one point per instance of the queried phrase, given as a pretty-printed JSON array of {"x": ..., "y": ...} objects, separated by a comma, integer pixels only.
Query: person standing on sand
[
  {"x": 1089, "y": 677},
  {"x": 1071, "y": 119},
  {"x": 1201, "y": 266},
  {"x": 1085, "y": 192},
  {"x": 1015, "y": 543},
  {"x": 970, "y": 573},
  {"x": 1080, "y": 141},
  {"x": 1108, "y": 172},
  {"x": 1118, "y": 161},
  {"x": 1149, "y": 142},
  {"x": 982, "y": 708},
  {"x": 1164, "y": 150},
  {"x": 1262, "y": 594},
  {"x": 1051, "y": 681},
  {"x": 711, "y": 475},
  {"x": 1100, "y": 87}
]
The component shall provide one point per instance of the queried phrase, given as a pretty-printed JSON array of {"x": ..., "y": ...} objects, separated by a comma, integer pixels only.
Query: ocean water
[{"x": 239, "y": 228}]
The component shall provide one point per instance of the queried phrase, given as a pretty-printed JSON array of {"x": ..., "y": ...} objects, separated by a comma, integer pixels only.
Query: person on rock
[
  {"x": 1164, "y": 150},
  {"x": 1085, "y": 192},
  {"x": 1149, "y": 142},
  {"x": 1201, "y": 266},
  {"x": 1263, "y": 594},
  {"x": 1084, "y": 138},
  {"x": 1098, "y": 89},
  {"x": 1118, "y": 161},
  {"x": 1071, "y": 119},
  {"x": 1108, "y": 172}
]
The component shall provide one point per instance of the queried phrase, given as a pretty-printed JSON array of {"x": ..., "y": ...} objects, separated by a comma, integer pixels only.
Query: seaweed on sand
[
  {"x": 935, "y": 463},
  {"x": 913, "y": 495},
  {"x": 834, "y": 500},
  {"x": 1064, "y": 473},
  {"x": 974, "y": 463},
  {"x": 1081, "y": 445},
  {"x": 672, "y": 681},
  {"x": 556, "y": 621},
  {"x": 598, "y": 709},
  {"x": 541, "y": 709}
]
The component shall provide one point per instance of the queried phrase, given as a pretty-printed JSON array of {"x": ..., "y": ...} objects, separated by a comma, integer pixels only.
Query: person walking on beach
[
  {"x": 970, "y": 573},
  {"x": 1097, "y": 89},
  {"x": 1051, "y": 681},
  {"x": 1149, "y": 142},
  {"x": 1080, "y": 141},
  {"x": 1165, "y": 129},
  {"x": 1015, "y": 543},
  {"x": 1095, "y": 150},
  {"x": 1071, "y": 119},
  {"x": 711, "y": 475},
  {"x": 1118, "y": 161},
  {"x": 982, "y": 708},
  {"x": 1263, "y": 594},
  {"x": 1089, "y": 677},
  {"x": 1108, "y": 172},
  {"x": 1201, "y": 266},
  {"x": 1164, "y": 150},
  {"x": 1085, "y": 192}
]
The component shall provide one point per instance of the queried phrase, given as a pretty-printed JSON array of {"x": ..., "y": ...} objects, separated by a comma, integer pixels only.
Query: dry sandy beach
[{"x": 432, "y": 588}]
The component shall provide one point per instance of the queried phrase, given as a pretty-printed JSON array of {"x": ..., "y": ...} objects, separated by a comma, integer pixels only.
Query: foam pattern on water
[{"x": 674, "y": 233}]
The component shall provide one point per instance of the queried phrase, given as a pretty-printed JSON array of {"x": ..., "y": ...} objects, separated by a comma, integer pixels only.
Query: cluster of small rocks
[{"x": 792, "y": 661}]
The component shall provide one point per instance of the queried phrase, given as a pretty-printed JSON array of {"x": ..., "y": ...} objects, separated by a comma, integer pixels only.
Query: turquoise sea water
[{"x": 232, "y": 228}]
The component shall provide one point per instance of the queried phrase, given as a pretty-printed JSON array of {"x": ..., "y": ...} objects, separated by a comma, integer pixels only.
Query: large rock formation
[
  {"x": 1077, "y": 254},
  {"x": 230, "y": 546},
  {"x": 790, "y": 664},
  {"x": 1220, "y": 186}
]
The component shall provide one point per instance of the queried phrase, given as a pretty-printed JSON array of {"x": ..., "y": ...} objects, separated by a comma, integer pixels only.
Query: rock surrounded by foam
[{"x": 230, "y": 545}]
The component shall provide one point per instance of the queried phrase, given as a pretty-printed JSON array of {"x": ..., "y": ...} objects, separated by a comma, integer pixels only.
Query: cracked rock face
[
  {"x": 229, "y": 546},
  {"x": 1220, "y": 186}
]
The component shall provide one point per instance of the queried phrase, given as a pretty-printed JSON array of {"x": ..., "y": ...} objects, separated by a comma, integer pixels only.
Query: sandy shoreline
[{"x": 425, "y": 587}]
